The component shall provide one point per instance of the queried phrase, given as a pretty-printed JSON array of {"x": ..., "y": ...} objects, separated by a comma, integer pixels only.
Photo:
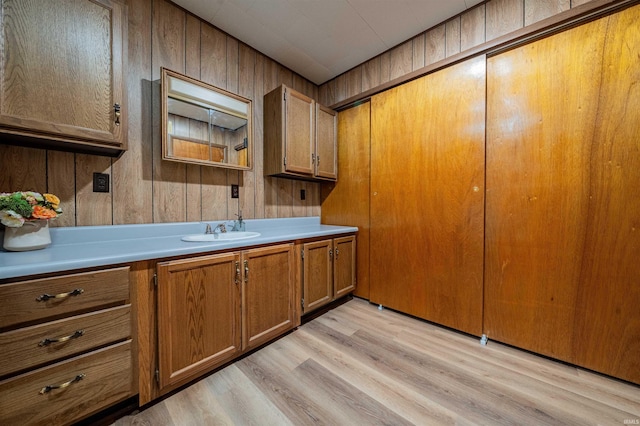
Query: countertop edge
[{"x": 73, "y": 256}]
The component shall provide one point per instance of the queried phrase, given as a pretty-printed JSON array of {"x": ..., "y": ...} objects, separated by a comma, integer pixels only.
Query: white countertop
[{"x": 91, "y": 246}]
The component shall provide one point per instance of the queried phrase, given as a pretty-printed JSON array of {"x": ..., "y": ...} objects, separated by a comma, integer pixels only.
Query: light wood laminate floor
[{"x": 356, "y": 365}]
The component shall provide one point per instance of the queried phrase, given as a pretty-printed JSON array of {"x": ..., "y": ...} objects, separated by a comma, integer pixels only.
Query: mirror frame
[{"x": 167, "y": 137}]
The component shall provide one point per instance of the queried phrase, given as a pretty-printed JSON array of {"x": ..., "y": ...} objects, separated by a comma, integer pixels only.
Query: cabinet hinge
[
  {"x": 155, "y": 280},
  {"x": 285, "y": 161},
  {"x": 284, "y": 96},
  {"x": 302, "y": 303},
  {"x": 302, "y": 253},
  {"x": 157, "y": 376}
]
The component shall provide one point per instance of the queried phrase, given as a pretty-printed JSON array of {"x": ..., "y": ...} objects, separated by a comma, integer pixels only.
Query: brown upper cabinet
[
  {"x": 62, "y": 85},
  {"x": 299, "y": 136}
]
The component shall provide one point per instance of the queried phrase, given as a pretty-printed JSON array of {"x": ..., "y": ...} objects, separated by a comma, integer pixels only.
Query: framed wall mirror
[{"x": 205, "y": 125}]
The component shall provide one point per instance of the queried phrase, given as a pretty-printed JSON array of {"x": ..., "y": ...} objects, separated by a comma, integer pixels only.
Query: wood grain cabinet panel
[
  {"x": 563, "y": 168},
  {"x": 198, "y": 315},
  {"x": 344, "y": 266},
  {"x": 65, "y": 345},
  {"x": 326, "y": 160},
  {"x": 62, "y": 84},
  {"x": 317, "y": 276},
  {"x": 427, "y": 196},
  {"x": 29, "y": 300},
  {"x": 98, "y": 379},
  {"x": 298, "y": 131},
  {"x": 212, "y": 308},
  {"x": 29, "y": 347},
  {"x": 329, "y": 271},
  {"x": 268, "y": 294}
]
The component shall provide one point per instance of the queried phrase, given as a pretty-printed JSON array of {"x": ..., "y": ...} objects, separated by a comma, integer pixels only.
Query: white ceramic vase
[{"x": 32, "y": 235}]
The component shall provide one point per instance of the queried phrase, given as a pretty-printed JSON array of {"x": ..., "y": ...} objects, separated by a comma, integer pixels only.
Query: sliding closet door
[
  {"x": 427, "y": 196},
  {"x": 563, "y": 211},
  {"x": 346, "y": 202}
]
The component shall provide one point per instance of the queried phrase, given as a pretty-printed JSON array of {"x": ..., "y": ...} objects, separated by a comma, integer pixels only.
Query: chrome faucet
[
  {"x": 238, "y": 225},
  {"x": 221, "y": 228}
]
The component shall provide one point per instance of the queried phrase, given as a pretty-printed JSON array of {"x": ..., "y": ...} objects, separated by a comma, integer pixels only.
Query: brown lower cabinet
[
  {"x": 66, "y": 345},
  {"x": 329, "y": 271},
  {"x": 212, "y": 308}
]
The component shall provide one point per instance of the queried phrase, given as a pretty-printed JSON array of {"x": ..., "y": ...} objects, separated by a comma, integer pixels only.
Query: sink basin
[{"x": 224, "y": 236}]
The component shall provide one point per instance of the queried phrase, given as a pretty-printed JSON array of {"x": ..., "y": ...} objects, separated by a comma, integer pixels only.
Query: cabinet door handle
[
  {"x": 313, "y": 159},
  {"x": 116, "y": 109},
  {"x": 47, "y": 341},
  {"x": 49, "y": 388},
  {"x": 337, "y": 253},
  {"x": 318, "y": 160},
  {"x": 330, "y": 253},
  {"x": 246, "y": 271},
  {"x": 237, "y": 272},
  {"x": 44, "y": 297}
]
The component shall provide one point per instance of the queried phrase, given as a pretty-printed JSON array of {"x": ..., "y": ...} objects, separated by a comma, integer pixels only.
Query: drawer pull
[
  {"x": 45, "y": 297},
  {"x": 47, "y": 341},
  {"x": 49, "y": 388}
]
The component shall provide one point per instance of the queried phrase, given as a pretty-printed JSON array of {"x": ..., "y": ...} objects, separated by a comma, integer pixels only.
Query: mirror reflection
[{"x": 204, "y": 124}]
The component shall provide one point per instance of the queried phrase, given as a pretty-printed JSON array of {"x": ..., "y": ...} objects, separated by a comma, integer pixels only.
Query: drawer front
[
  {"x": 107, "y": 380},
  {"x": 24, "y": 301},
  {"x": 28, "y": 347}
]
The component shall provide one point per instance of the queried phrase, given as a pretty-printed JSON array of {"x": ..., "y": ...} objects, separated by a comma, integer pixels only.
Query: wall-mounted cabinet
[
  {"x": 300, "y": 136},
  {"x": 329, "y": 271},
  {"x": 62, "y": 86}
]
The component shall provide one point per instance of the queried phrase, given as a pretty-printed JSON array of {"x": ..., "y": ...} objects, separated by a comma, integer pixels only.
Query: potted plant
[{"x": 25, "y": 216}]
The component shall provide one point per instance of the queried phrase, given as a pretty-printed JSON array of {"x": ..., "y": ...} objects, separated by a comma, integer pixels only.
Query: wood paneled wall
[
  {"x": 145, "y": 188},
  {"x": 482, "y": 23}
]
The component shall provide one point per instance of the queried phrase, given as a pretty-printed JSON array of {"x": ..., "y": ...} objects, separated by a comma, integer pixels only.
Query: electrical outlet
[
  {"x": 100, "y": 182},
  {"x": 235, "y": 191},
  {"x": 303, "y": 194}
]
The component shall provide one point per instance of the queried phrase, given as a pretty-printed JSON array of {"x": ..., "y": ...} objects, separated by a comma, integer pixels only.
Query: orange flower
[
  {"x": 40, "y": 212},
  {"x": 55, "y": 201}
]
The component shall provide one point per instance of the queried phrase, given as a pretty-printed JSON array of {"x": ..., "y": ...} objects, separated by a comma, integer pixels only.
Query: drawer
[
  {"x": 23, "y": 301},
  {"x": 107, "y": 380},
  {"x": 25, "y": 347}
]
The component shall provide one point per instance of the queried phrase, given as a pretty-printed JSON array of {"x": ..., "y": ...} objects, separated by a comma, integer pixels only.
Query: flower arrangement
[{"x": 18, "y": 207}]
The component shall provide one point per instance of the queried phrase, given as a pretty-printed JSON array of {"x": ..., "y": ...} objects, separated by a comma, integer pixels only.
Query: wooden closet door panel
[
  {"x": 427, "y": 196},
  {"x": 607, "y": 328},
  {"x": 562, "y": 210},
  {"x": 346, "y": 202}
]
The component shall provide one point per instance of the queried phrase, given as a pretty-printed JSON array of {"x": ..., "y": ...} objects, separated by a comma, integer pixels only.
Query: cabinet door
[
  {"x": 268, "y": 294},
  {"x": 563, "y": 170},
  {"x": 198, "y": 315},
  {"x": 344, "y": 266},
  {"x": 298, "y": 132},
  {"x": 427, "y": 196},
  {"x": 326, "y": 164},
  {"x": 317, "y": 276},
  {"x": 62, "y": 72}
]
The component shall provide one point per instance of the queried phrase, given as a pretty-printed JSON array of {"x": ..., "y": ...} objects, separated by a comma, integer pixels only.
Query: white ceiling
[{"x": 320, "y": 39}]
